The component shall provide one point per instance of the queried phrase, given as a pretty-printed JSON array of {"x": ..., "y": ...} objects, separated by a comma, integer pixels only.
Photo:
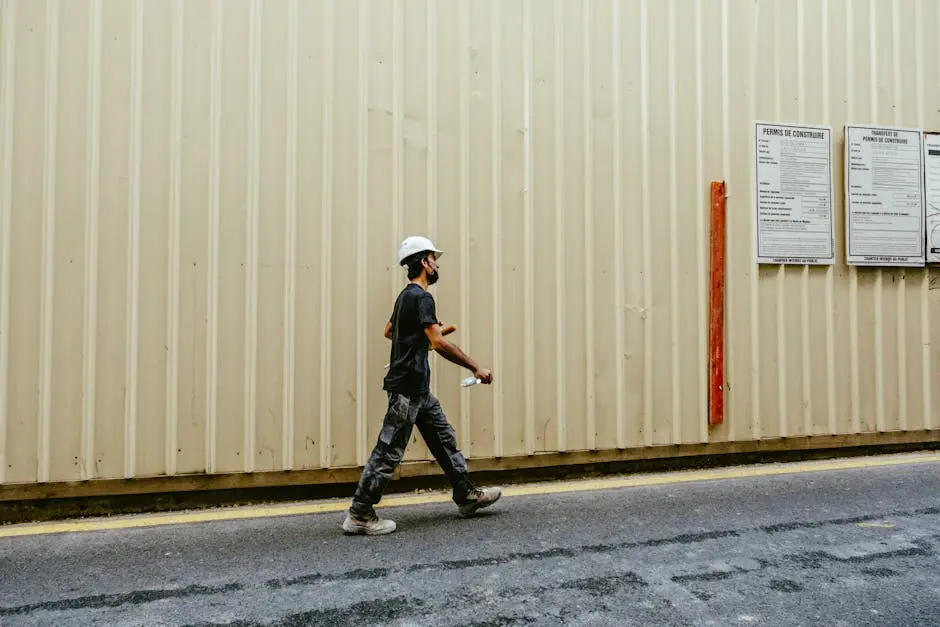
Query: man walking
[{"x": 413, "y": 330}]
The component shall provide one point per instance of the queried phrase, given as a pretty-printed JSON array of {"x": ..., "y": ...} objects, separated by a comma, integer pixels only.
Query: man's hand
[{"x": 484, "y": 375}]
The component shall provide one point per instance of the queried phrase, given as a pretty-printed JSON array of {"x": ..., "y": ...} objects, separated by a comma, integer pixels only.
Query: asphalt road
[{"x": 848, "y": 547}]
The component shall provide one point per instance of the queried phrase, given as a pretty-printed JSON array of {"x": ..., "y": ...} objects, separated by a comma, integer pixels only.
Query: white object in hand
[{"x": 469, "y": 381}]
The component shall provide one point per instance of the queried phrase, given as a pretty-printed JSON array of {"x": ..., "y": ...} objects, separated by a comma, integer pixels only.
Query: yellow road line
[{"x": 271, "y": 511}]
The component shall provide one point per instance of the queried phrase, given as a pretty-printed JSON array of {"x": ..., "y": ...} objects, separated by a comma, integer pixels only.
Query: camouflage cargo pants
[{"x": 401, "y": 417}]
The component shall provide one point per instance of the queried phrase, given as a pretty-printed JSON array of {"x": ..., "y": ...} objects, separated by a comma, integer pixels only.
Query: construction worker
[{"x": 414, "y": 329}]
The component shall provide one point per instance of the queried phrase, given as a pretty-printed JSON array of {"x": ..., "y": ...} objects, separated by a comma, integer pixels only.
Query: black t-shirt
[{"x": 409, "y": 372}]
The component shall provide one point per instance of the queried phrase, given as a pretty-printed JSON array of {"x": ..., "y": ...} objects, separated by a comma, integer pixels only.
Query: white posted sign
[
  {"x": 794, "y": 194},
  {"x": 932, "y": 192},
  {"x": 884, "y": 200}
]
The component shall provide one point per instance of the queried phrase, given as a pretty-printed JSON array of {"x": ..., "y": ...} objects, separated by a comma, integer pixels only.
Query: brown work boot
[
  {"x": 478, "y": 498},
  {"x": 367, "y": 522}
]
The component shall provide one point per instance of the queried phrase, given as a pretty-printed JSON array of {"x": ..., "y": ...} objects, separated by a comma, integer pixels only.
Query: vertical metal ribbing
[
  {"x": 730, "y": 289},
  {"x": 675, "y": 358},
  {"x": 529, "y": 220},
  {"x": 398, "y": 144},
  {"x": 700, "y": 229},
  {"x": 561, "y": 359},
  {"x": 431, "y": 151},
  {"x": 7, "y": 82},
  {"x": 132, "y": 338},
  {"x": 806, "y": 379},
  {"x": 879, "y": 273},
  {"x": 326, "y": 237},
  {"x": 362, "y": 232},
  {"x": 290, "y": 238},
  {"x": 49, "y": 178},
  {"x": 925, "y": 283},
  {"x": 647, "y": 228},
  {"x": 853, "y": 270},
  {"x": 175, "y": 240},
  {"x": 757, "y": 426},
  {"x": 497, "y": 165},
  {"x": 215, "y": 157},
  {"x": 432, "y": 147},
  {"x": 252, "y": 201},
  {"x": 619, "y": 298},
  {"x": 830, "y": 271},
  {"x": 465, "y": 417},
  {"x": 781, "y": 277},
  {"x": 88, "y": 467},
  {"x": 901, "y": 285},
  {"x": 590, "y": 373}
]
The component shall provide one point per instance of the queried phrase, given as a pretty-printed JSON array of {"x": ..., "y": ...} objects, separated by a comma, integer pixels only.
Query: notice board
[
  {"x": 794, "y": 194},
  {"x": 932, "y": 194},
  {"x": 884, "y": 196}
]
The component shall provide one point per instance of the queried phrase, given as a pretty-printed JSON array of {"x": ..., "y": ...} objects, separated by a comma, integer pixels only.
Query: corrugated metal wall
[
  {"x": 201, "y": 202},
  {"x": 840, "y": 350}
]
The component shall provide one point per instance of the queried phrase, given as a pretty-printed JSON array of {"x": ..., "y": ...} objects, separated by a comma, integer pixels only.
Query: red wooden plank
[{"x": 716, "y": 321}]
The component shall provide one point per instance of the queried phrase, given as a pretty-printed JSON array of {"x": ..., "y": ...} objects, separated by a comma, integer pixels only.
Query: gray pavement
[{"x": 849, "y": 547}]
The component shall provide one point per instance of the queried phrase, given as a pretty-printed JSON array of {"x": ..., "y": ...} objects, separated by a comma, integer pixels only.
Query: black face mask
[{"x": 432, "y": 278}]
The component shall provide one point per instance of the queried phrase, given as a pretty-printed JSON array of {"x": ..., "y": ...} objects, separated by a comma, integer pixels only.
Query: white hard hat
[{"x": 416, "y": 244}]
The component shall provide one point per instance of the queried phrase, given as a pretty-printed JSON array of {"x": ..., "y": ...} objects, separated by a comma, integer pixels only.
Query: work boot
[
  {"x": 367, "y": 522},
  {"x": 478, "y": 498}
]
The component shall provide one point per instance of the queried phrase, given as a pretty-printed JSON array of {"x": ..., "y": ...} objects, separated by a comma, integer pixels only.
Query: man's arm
[
  {"x": 452, "y": 353},
  {"x": 388, "y": 330}
]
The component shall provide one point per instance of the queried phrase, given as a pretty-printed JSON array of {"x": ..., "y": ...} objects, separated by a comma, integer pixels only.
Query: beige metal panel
[
  {"x": 601, "y": 266},
  {"x": 151, "y": 270},
  {"x": 349, "y": 175},
  {"x": 634, "y": 172},
  {"x": 112, "y": 418},
  {"x": 515, "y": 420},
  {"x": 235, "y": 237},
  {"x": 316, "y": 139},
  {"x": 545, "y": 391},
  {"x": 576, "y": 203},
  {"x": 7, "y": 76},
  {"x": 275, "y": 245},
  {"x": 449, "y": 102},
  {"x": 65, "y": 419},
  {"x": 689, "y": 214},
  {"x": 27, "y": 197},
  {"x": 201, "y": 201},
  {"x": 480, "y": 35},
  {"x": 189, "y": 300}
]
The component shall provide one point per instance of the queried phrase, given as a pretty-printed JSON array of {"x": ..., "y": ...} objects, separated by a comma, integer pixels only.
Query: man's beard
[{"x": 432, "y": 278}]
